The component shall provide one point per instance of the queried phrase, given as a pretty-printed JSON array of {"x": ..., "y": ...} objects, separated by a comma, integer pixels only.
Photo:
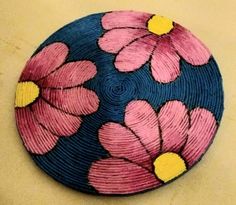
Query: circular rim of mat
[{"x": 96, "y": 78}]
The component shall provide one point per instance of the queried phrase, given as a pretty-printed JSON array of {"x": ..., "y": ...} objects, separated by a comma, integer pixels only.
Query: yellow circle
[
  {"x": 26, "y": 93},
  {"x": 160, "y": 25},
  {"x": 168, "y": 166}
]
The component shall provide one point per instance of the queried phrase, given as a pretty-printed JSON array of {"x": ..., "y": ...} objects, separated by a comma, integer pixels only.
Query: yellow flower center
[
  {"x": 160, "y": 25},
  {"x": 26, "y": 93},
  {"x": 168, "y": 166}
]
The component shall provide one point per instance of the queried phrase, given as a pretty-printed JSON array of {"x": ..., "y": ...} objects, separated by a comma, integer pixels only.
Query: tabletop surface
[{"x": 25, "y": 24}]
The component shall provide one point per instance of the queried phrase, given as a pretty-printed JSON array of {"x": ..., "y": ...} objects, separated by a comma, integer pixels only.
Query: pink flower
[
  {"x": 151, "y": 148},
  {"x": 50, "y": 98},
  {"x": 137, "y": 38}
]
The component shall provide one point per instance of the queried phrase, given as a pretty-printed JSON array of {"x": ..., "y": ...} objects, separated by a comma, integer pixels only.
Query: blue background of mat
[{"x": 199, "y": 86}]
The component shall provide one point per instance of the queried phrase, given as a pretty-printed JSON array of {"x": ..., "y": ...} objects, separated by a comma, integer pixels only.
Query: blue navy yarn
[{"x": 201, "y": 86}]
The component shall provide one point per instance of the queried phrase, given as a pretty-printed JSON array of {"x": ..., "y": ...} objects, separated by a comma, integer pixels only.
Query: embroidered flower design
[
  {"x": 50, "y": 98},
  {"x": 151, "y": 148},
  {"x": 137, "y": 38}
]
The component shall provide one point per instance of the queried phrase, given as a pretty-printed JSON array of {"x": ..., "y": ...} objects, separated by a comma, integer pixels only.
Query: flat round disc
[{"x": 119, "y": 103}]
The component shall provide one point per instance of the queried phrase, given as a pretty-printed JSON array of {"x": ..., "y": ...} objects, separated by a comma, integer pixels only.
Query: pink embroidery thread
[
  {"x": 145, "y": 136},
  {"x": 127, "y": 36},
  {"x": 62, "y": 100}
]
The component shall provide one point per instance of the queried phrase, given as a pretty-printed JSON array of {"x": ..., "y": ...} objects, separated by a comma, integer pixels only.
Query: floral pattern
[
  {"x": 100, "y": 122},
  {"x": 137, "y": 38},
  {"x": 50, "y": 98},
  {"x": 151, "y": 148}
]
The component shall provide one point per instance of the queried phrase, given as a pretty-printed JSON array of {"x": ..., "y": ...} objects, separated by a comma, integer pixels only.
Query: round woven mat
[{"x": 119, "y": 103}]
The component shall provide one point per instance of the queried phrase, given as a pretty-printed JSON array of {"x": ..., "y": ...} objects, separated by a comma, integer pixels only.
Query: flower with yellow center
[
  {"x": 26, "y": 93},
  {"x": 151, "y": 148},
  {"x": 160, "y": 25},
  {"x": 150, "y": 39},
  {"x": 168, "y": 166}
]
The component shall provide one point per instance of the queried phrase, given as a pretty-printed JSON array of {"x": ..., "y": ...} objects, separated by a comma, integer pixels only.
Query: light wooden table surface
[{"x": 25, "y": 24}]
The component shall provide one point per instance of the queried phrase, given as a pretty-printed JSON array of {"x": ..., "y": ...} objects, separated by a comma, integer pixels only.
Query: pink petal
[
  {"x": 36, "y": 139},
  {"x": 200, "y": 135},
  {"x": 115, "y": 39},
  {"x": 54, "y": 120},
  {"x": 174, "y": 123},
  {"x": 122, "y": 19},
  {"x": 69, "y": 75},
  {"x": 77, "y": 100},
  {"x": 189, "y": 47},
  {"x": 136, "y": 54},
  {"x": 117, "y": 176},
  {"x": 142, "y": 120},
  {"x": 165, "y": 62},
  {"x": 46, "y": 61},
  {"x": 121, "y": 142}
]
